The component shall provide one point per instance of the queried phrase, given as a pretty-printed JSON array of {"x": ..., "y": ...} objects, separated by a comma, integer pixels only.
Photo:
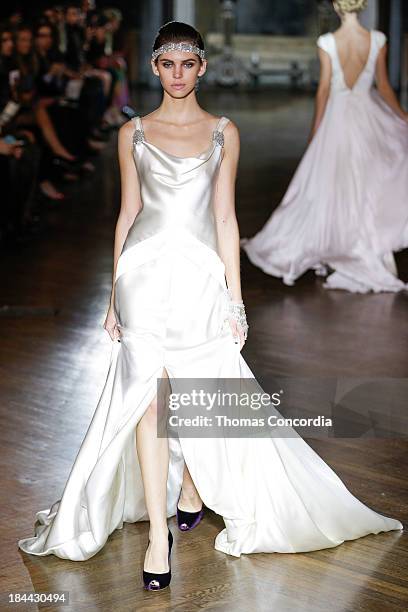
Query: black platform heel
[
  {"x": 156, "y": 582},
  {"x": 188, "y": 520}
]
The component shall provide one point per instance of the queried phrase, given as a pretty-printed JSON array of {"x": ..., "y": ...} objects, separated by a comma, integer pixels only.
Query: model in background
[{"x": 346, "y": 207}]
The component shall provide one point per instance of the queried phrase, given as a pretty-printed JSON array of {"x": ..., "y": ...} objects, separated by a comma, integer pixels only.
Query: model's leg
[
  {"x": 153, "y": 454},
  {"x": 189, "y": 501}
]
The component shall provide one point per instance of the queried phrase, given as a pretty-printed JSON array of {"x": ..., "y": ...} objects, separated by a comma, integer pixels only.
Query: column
[
  {"x": 394, "y": 44},
  {"x": 184, "y": 10},
  {"x": 151, "y": 20},
  {"x": 369, "y": 17}
]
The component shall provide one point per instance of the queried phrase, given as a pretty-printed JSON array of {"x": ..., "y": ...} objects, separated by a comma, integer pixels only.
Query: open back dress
[{"x": 346, "y": 205}]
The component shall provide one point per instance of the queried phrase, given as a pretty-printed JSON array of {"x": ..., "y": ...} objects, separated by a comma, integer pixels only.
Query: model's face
[{"x": 178, "y": 72}]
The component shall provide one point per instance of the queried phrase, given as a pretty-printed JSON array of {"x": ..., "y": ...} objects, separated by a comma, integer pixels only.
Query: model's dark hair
[{"x": 177, "y": 31}]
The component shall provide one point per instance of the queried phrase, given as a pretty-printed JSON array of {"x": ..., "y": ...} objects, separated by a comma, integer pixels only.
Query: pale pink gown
[{"x": 347, "y": 204}]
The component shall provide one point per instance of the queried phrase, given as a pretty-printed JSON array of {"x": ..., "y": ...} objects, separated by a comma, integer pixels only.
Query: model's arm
[
  {"x": 323, "y": 91},
  {"x": 384, "y": 86},
  {"x": 130, "y": 205},
  {"x": 224, "y": 211},
  {"x": 228, "y": 232}
]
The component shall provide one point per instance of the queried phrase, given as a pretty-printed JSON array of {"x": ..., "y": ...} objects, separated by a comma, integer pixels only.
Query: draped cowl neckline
[{"x": 181, "y": 163}]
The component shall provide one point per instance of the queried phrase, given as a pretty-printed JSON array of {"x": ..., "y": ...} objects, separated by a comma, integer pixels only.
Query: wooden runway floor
[{"x": 54, "y": 357}]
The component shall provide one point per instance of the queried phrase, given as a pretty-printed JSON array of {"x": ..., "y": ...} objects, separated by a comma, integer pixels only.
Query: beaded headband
[{"x": 180, "y": 46}]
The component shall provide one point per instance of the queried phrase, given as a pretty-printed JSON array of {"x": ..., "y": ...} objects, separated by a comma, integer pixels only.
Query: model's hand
[
  {"x": 237, "y": 332},
  {"x": 237, "y": 319},
  {"x": 111, "y": 325}
]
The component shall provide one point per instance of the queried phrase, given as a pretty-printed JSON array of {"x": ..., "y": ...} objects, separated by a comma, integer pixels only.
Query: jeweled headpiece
[{"x": 178, "y": 46}]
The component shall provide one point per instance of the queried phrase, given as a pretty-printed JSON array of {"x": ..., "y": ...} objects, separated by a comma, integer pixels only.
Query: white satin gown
[
  {"x": 274, "y": 494},
  {"x": 347, "y": 204}
]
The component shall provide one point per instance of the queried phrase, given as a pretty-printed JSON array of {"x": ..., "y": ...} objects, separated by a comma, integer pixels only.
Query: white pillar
[
  {"x": 184, "y": 10},
  {"x": 369, "y": 17}
]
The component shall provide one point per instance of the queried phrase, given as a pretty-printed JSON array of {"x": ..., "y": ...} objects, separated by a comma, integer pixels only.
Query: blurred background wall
[{"x": 267, "y": 42}]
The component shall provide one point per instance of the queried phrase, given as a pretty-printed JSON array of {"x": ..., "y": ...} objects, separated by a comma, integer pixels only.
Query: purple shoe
[{"x": 188, "y": 520}]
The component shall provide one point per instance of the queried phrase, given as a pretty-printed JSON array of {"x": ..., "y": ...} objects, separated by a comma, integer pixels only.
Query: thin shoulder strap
[
  {"x": 138, "y": 123},
  {"x": 221, "y": 124}
]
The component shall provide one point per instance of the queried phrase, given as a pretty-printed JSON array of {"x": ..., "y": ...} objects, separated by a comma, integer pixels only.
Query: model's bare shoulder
[
  {"x": 125, "y": 140},
  {"x": 125, "y": 136},
  {"x": 231, "y": 129},
  {"x": 126, "y": 130},
  {"x": 231, "y": 135}
]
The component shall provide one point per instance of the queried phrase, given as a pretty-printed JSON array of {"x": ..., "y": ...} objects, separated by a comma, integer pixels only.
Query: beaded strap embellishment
[
  {"x": 138, "y": 136},
  {"x": 218, "y": 137}
]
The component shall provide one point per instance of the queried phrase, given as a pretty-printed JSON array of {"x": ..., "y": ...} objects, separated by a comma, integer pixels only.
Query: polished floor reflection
[{"x": 54, "y": 355}]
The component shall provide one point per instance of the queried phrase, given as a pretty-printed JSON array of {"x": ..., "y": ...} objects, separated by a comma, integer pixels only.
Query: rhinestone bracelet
[{"x": 236, "y": 310}]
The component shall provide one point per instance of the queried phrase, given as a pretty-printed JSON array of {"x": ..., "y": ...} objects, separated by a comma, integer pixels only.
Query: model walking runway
[
  {"x": 346, "y": 206},
  {"x": 171, "y": 306}
]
